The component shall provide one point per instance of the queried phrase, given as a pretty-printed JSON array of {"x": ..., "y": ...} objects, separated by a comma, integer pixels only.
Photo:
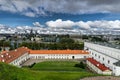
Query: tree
[
  {"x": 67, "y": 40},
  {"x": 80, "y": 65}
]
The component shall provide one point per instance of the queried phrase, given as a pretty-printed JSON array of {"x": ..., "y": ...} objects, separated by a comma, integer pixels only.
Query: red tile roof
[
  {"x": 12, "y": 55},
  {"x": 58, "y": 52},
  {"x": 98, "y": 64},
  {"x": 3, "y": 52}
]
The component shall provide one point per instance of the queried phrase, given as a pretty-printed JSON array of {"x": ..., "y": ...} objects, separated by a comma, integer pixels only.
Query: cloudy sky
[{"x": 65, "y": 14}]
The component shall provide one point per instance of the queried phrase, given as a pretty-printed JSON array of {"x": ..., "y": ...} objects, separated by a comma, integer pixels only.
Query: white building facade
[
  {"x": 20, "y": 60},
  {"x": 58, "y": 54},
  {"x": 105, "y": 55}
]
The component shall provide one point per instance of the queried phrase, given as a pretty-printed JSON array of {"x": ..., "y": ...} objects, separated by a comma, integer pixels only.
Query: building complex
[
  {"x": 105, "y": 55},
  {"x": 18, "y": 56},
  {"x": 99, "y": 58}
]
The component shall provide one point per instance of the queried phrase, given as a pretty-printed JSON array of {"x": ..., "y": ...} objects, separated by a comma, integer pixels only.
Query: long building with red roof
[
  {"x": 20, "y": 55},
  {"x": 58, "y": 54},
  {"x": 98, "y": 67}
]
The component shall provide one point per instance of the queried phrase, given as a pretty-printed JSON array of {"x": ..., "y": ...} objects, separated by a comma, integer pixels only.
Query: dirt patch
[{"x": 102, "y": 78}]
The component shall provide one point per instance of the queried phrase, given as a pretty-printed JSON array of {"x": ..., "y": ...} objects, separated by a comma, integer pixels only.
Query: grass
[
  {"x": 9, "y": 72},
  {"x": 45, "y": 75},
  {"x": 57, "y": 66}
]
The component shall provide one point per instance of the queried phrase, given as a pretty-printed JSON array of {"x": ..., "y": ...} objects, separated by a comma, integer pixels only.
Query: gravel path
[{"x": 102, "y": 78}]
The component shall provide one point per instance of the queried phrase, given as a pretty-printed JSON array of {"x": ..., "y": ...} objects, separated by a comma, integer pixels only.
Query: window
[
  {"x": 95, "y": 54},
  {"x": 92, "y": 53},
  {"x": 108, "y": 61},
  {"x": 99, "y": 56},
  {"x": 84, "y": 56},
  {"x": 73, "y": 57},
  {"x": 103, "y": 58}
]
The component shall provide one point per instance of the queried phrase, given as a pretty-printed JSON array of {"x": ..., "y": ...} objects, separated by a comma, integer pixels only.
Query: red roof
[
  {"x": 98, "y": 64},
  {"x": 12, "y": 55},
  {"x": 58, "y": 52},
  {"x": 3, "y": 52}
]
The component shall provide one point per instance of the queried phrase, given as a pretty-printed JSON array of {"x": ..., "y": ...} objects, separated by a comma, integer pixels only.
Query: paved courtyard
[
  {"x": 102, "y": 78},
  {"x": 32, "y": 61}
]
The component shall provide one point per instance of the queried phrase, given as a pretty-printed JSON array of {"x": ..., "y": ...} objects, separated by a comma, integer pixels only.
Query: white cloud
[
  {"x": 83, "y": 25},
  {"x": 37, "y": 24},
  {"x": 30, "y": 14},
  {"x": 104, "y": 24},
  {"x": 59, "y": 23},
  {"x": 69, "y": 27},
  {"x": 114, "y": 24}
]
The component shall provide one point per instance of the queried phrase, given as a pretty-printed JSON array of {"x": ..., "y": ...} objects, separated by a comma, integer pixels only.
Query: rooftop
[
  {"x": 9, "y": 56},
  {"x": 12, "y": 55},
  {"x": 98, "y": 64},
  {"x": 112, "y": 45},
  {"x": 58, "y": 52}
]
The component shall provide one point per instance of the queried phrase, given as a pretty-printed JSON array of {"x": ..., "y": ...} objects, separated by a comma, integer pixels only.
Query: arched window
[{"x": 73, "y": 57}]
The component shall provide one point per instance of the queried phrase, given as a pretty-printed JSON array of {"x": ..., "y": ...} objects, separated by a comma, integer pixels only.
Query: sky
[{"x": 65, "y": 14}]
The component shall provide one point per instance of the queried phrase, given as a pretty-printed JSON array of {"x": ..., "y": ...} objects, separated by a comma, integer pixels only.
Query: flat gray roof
[{"x": 112, "y": 45}]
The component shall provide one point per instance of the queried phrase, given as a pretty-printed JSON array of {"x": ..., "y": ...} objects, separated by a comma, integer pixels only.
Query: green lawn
[
  {"x": 9, "y": 72},
  {"x": 57, "y": 66},
  {"x": 62, "y": 75}
]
